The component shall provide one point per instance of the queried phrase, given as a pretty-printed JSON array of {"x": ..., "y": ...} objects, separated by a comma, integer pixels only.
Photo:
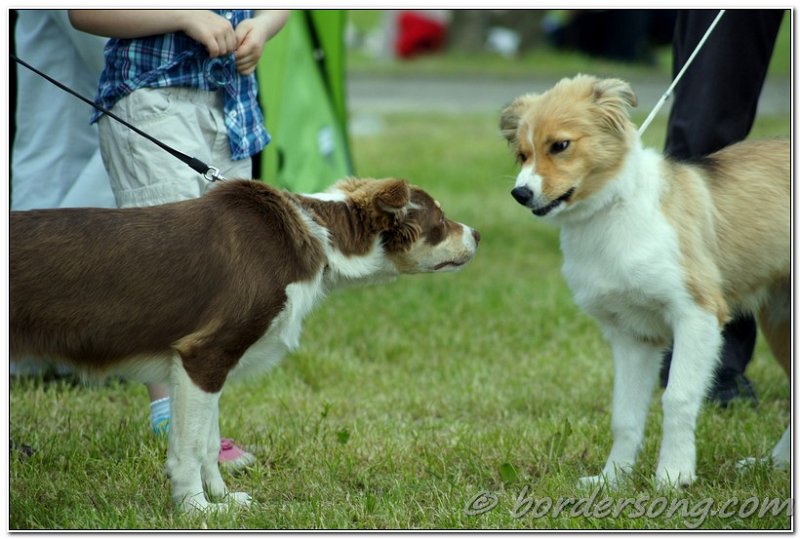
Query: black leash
[{"x": 208, "y": 172}]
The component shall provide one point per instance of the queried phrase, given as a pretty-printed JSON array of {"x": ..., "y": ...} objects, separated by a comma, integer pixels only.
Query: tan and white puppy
[
  {"x": 201, "y": 291},
  {"x": 659, "y": 252}
]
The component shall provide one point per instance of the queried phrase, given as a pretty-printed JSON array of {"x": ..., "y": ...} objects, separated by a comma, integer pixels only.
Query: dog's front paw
[
  {"x": 591, "y": 482},
  {"x": 674, "y": 479},
  {"x": 198, "y": 504},
  {"x": 194, "y": 504},
  {"x": 611, "y": 477}
]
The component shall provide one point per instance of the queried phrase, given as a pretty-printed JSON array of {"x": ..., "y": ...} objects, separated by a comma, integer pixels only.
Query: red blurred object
[{"x": 418, "y": 34}]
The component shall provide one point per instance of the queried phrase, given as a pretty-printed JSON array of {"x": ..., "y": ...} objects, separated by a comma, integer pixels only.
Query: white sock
[{"x": 160, "y": 415}]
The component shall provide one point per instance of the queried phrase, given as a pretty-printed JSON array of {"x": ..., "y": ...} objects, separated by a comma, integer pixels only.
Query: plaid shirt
[{"x": 175, "y": 59}]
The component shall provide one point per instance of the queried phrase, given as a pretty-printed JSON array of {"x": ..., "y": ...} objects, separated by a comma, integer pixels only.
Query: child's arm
[
  {"x": 213, "y": 31},
  {"x": 252, "y": 34}
]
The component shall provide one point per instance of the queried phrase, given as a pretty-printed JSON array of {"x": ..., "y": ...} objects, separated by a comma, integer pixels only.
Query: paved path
[{"x": 370, "y": 95}]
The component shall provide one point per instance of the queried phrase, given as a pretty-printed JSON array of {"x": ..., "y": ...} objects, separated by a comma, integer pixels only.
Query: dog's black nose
[{"x": 522, "y": 194}]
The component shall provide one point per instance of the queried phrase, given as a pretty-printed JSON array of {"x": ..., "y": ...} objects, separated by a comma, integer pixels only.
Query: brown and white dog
[
  {"x": 201, "y": 291},
  {"x": 659, "y": 252}
]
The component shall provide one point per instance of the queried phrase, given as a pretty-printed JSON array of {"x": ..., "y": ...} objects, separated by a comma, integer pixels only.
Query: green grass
[{"x": 407, "y": 400}]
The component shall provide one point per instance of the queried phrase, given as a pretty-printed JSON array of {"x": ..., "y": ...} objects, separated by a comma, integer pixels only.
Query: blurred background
[
  {"x": 481, "y": 59},
  {"x": 622, "y": 34},
  {"x": 448, "y": 64}
]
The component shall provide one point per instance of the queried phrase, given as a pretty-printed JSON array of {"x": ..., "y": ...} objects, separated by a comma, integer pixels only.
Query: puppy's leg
[
  {"x": 775, "y": 320},
  {"x": 212, "y": 479},
  {"x": 636, "y": 367},
  {"x": 189, "y": 430},
  {"x": 780, "y": 457},
  {"x": 694, "y": 359},
  {"x": 782, "y": 452}
]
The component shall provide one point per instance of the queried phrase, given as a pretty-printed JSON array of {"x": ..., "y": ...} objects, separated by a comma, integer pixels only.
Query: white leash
[{"x": 668, "y": 93}]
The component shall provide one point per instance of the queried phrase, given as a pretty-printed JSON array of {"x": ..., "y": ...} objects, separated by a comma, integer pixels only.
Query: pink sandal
[{"x": 232, "y": 457}]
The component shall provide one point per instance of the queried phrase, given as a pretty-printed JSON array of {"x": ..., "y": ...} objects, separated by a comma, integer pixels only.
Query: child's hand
[
  {"x": 213, "y": 31},
  {"x": 250, "y": 39},
  {"x": 252, "y": 34}
]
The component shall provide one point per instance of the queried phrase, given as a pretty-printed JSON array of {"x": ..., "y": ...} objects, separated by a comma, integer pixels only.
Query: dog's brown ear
[
  {"x": 384, "y": 201},
  {"x": 392, "y": 195},
  {"x": 614, "y": 97},
  {"x": 399, "y": 232}
]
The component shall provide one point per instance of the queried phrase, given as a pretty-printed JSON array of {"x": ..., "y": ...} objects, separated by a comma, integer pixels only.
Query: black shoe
[
  {"x": 23, "y": 449},
  {"x": 729, "y": 385}
]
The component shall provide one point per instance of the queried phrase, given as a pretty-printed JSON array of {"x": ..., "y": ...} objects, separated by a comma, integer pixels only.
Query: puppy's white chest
[{"x": 626, "y": 276}]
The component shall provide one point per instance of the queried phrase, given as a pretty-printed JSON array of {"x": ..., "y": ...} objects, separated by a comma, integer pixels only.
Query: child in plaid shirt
[{"x": 187, "y": 78}]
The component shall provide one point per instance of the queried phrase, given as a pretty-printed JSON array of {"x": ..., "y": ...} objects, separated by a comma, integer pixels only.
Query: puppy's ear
[
  {"x": 510, "y": 116},
  {"x": 607, "y": 90},
  {"x": 383, "y": 201},
  {"x": 614, "y": 97},
  {"x": 392, "y": 195},
  {"x": 398, "y": 231},
  {"x": 509, "y": 121}
]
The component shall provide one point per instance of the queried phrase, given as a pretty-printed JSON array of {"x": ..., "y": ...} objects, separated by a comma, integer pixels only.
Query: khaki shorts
[{"x": 186, "y": 119}]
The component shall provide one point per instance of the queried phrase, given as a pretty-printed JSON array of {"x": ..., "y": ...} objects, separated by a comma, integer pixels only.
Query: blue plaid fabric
[{"x": 175, "y": 59}]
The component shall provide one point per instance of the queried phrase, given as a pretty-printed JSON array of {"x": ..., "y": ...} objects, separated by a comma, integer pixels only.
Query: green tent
[{"x": 302, "y": 93}]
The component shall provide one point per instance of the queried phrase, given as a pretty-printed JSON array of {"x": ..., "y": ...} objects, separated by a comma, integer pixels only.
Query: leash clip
[{"x": 212, "y": 175}]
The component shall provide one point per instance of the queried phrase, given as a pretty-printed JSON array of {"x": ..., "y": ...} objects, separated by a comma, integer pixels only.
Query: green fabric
[
  {"x": 306, "y": 117},
  {"x": 330, "y": 25}
]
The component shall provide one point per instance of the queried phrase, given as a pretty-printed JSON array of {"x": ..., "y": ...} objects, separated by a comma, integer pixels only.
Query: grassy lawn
[{"x": 407, "y": 401}]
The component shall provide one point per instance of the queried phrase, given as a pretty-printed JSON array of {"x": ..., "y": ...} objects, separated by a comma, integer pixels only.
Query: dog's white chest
[
  {"x": 283, "y": 334},
  {"x": 624, "y": 271}
]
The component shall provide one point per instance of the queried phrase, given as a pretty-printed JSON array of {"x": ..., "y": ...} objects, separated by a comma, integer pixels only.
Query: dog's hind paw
[
  {"x": 750, "y": 462},
  {"x": 198, "y": 504},
  {"x": 666, "y": 481},
  {"x": 238, "y": 499},
  {"x": 593, "y": 481}
]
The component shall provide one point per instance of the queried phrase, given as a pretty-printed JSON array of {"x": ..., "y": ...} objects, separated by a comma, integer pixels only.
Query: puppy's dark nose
[
  {"x": 522, "y": 194},
  {"x": 477, "y": 236}
]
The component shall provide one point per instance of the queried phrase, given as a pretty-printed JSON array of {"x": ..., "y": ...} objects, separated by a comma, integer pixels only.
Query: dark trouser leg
[
  {"x": 715, "y": 103},
  {"x": 714, "y": 106}
]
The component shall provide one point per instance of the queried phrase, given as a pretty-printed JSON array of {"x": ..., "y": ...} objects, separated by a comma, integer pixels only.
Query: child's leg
[
  {"x": 142, "y": 174},
  {"x": 160, "y": 411}
]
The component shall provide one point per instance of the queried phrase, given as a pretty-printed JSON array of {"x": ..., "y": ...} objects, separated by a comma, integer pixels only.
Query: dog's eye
[
  {"x": 521, "y": 157},
  {"x": 558, "y": 147}
]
